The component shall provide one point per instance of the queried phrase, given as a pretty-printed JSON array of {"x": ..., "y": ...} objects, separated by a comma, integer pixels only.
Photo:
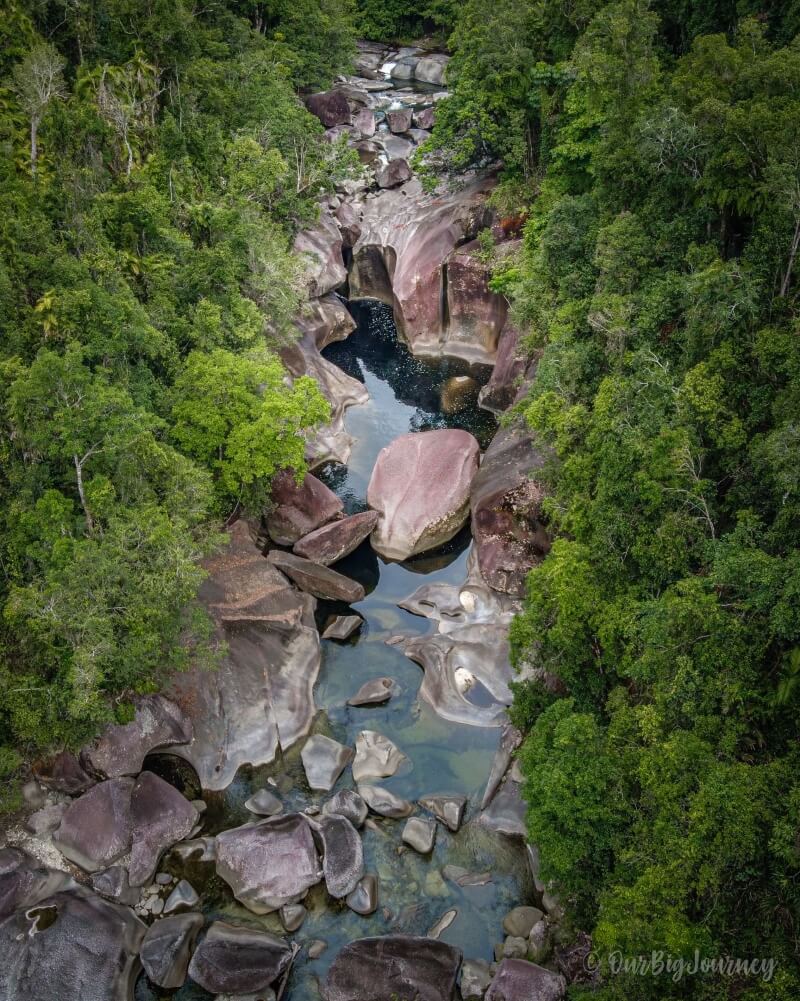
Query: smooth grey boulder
[
  {"x": 385, "y": 803},
  {"x": 183, "y": 898},
  {"x": 343, "y": 854},
  {"x": 236, "y": 960},
  {"x": 364, "y": 122},
  {"x": 260, "y": 697},
  {"x": 376, "y": 757},
  {"x": 70, "y": 944},
  {"x": 264, "y": 803},
  {"x": 24, "y": 880},
  {"x": 520, "y": 920},
  {"x": 113, "y": 884},
  {"x": 518, "y": 980},
  {"x": 363, "y": 899},
  {"x": 392, "y": 967},
  {"x": 96, "y": 829},
  {"x": 510, "y": 740},
  {"x": 324, "y": 760},
  {"x": 399, "y": 120},
  {"x": 316, "y": 579},
  {"x": 395, "y": 172},
  {"x": 167, "y": 948},
  {"x": 448, "y": 809},
  {"x": 299, "y": 508},
  {"x": 333, "y": 542},
  {"x": 420, "y": 834},
  {"x": 420, "y": 486},
  {"x": 374, "y": 693},
  {"x": 506, "y": 813},
  {"x": 343, "y": 627},
  {"x": 431, "y": 68},
  {"x": 292, "y": 916},
  {"x": 121, "y": 749},
  {"x": 349, "y": 804},
  {"x": 270, "y": 863},
  {"x": 475, "y": 979},
  {"x": 160, "y": 817}
]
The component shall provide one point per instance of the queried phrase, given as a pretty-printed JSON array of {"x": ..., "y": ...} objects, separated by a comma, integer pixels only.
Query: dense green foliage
[
  {"x": 401, "y": 20},
  {"x": 657, "y": 149},
  {"x": 155, "y": 164}
]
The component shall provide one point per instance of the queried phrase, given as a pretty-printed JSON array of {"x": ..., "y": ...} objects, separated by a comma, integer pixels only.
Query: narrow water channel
[{"x": 407, "y": 394}]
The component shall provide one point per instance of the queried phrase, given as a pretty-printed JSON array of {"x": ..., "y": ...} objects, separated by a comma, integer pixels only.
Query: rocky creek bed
[{"x": 335, "y": 812}]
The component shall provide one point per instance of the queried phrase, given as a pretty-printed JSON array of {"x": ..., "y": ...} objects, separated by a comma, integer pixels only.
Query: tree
[
  {"x": 239, "y": 418},
  {"x": 37, "y": 81}
]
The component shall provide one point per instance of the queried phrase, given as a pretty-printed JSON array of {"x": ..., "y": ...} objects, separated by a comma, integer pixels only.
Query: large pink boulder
[{"x": 420, "y": 489}]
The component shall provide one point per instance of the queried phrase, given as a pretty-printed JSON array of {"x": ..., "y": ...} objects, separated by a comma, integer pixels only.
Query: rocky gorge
[{"x": 335, "y": 810}]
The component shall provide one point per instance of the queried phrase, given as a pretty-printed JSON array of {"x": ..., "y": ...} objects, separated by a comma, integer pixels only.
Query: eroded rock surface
[
  {"x": 299, "y": 508},
  {"x": 270, "y": 863},
  {"x": 324, "y": 760},
  {"x": 348, "y": 804},
  {"x": 391, "y": 967},
  {"x": 518, "y": 980},
  {"x": 260, "y": 697},
  {"x": 376, "y": 757},
  {"x": 232, "y": 959},
  {"x": 71, "y": 944},
  {"x": 333, "y": 542},
  {"x": 316, "y": 579},
  {"x": 420, "y": 487},
  {"x": 506, "y": 503},
  {"x": 343, "y": 855},
  {"x": 167, "y": 949}
]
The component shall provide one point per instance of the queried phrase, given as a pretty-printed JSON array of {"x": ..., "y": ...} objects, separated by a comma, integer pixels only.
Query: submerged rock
[
  {"x": 333, "y": 542},
  {"x": 385, "y": 803},
  {"x": 324, "y": 760},
  {"x": 299, "y": 509},
  {"x": 71, "y": 941},
  {"x": 316, "y": 579},
  {"x": 259, "y": 699},
  {"x": 443, "y": 923},
  {"x": 343, "y": 627},
  {"x": 448, "y": 809},
  {"x": 420, "y": 487},
  {"x": 238, "y": 960},
  {"x": 363, "y": 899},
  {"x": 420, "y": 834},
  {"x": 392, "y": 967},
  {"x": 270, "y": 863},
  {"x": 374, "y": 693},
  {"x": 264, "y": 803},
  {"x": 376, "y": 757},
  {"x": 518, "y": 980},
  {"x": 167, "y": 949}
]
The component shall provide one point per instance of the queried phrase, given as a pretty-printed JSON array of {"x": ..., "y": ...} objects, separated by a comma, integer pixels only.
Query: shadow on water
[{"x": 406, "y": 394}]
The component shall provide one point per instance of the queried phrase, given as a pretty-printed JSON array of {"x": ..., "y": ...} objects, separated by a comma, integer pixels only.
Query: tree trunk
[
  {"x": 34, "y": 144},
  {"x": 792, "y": 255},
  {"x": 87, "y": 513}
]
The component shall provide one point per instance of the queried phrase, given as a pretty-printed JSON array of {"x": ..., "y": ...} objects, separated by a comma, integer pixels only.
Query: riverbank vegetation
[
  {"x": 156, "y": 162},
  {"x": 656, "y": 147}
]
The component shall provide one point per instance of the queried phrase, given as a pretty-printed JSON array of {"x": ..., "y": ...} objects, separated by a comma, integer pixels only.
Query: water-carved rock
[
  {"x": 269, "y": 863},
  {"x": 420, "y": 834},
  {"x": 385, "y": 803},
  {"x": 376, "y": 757},
  {"x": 374, "y": 693},
  {"x": 324, "y": 760},
  {"x": 342, "y": 627},
  {"x": 420, "y": 487},
  {"x": 448, "y": 809},
  {"x": 299, "y": 508},
  {"x": 391, "y": 967},
  {"x": 235, "y": 960},
  {"x": 348, "y": 804},
  {"x": 333, "y": 542},
  {"x": 167, "y": 949},
  {"x": 316, "y": 579}
]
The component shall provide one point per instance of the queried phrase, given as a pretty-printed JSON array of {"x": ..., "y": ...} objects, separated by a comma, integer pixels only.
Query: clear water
[{"x": 405, "y": 395}]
